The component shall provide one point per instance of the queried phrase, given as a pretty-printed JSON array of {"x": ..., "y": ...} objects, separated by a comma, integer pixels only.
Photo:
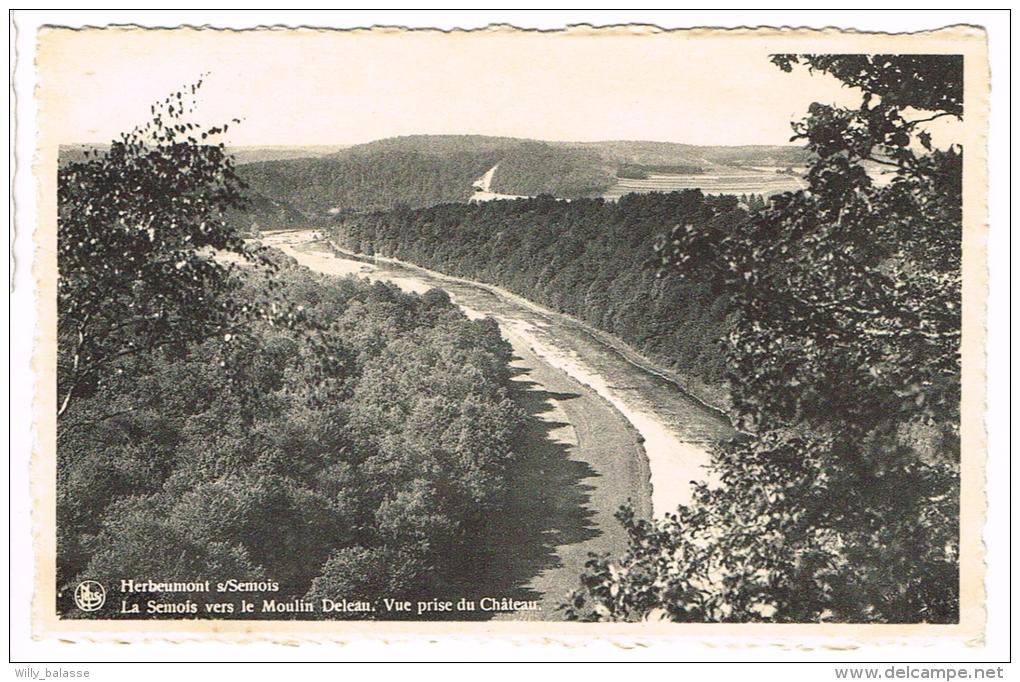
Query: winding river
[
  {"x": 603, "y": 429},
  {"x": 676, "y": 428}
]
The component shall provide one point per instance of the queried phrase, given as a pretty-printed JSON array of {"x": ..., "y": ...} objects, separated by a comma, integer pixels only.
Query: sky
[{"x": 330, "y": 88}]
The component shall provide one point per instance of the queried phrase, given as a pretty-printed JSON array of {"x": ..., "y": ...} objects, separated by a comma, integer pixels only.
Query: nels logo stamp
[{"x": 89, "y": 595}]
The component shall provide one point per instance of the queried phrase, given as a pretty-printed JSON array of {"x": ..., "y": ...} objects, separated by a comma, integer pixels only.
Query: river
[
  {"x": 599, "y": 431},
  {"x": 677, "y": 430}
]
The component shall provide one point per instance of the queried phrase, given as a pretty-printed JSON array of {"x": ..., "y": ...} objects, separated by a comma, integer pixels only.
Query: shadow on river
[{"x": 600, "y": 431}]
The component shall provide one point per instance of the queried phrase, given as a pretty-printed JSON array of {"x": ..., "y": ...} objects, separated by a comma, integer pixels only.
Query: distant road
[
  {"x": 483, "y": 189},
  {"x": 581, "y": 456}
]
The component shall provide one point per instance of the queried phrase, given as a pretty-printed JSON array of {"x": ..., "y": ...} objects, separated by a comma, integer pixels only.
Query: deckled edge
[{"x": 384, "y": 632}]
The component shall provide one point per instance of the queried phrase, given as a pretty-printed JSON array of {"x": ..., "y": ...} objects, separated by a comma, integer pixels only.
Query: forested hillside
[
  {"x": 353, "y": 461},
  {"x": 298, "y": 186},
  {"x": 256, "y": 153},
  {"x": 258, "y": 213},
  {"x": 226, "y": 415},
  {"x": 586, "y": 258},
  {"x": 533, "y": 168},
  {"x": 252, "y": 211},
  {"x": 361, "y": 181},
  {"x": 425, "y": 170}
]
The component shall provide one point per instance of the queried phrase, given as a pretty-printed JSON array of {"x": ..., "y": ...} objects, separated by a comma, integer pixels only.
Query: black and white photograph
[{"x": 510, "y": 331}]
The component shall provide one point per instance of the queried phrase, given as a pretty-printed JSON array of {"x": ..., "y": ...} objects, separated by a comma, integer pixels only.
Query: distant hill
[
  {"x": 645, "y": 166},
  {"x": 436, "y": 144},
  {"x": 263, "y": 213},
  {"x": 75, "y": 153},
  {"x": 367, "y": 180},
  {"x": 255, "y": 154},
  {"x": 425, "y": 170},
  {"x": 291, "y": 186}
]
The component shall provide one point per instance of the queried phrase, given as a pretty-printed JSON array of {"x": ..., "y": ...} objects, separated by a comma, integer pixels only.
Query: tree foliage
[
  {"x": 843, "y": 363},
  {"x": 379, "y": 428},
  {"x": 135, "y": 230}
]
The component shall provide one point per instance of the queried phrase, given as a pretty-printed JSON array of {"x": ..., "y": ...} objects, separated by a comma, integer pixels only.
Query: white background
[{"x": 997, "y": 535}]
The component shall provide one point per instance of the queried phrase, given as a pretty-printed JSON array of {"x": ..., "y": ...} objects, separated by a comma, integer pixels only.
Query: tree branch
[{"x": 931, "y": 118}]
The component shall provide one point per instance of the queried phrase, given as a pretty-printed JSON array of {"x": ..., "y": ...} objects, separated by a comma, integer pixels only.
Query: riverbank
[
  {"x": 578, "y": 460},
  {"x": 677, "y": 430},
  {"x": 711, "y": 397}
]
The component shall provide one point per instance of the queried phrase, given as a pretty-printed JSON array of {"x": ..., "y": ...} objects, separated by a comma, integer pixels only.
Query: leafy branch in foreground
[
  {"x": 843, "y": 357},
  {"x": 139, "y": 229}
]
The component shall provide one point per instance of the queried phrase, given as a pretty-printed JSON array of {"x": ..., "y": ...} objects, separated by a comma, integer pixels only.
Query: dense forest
[
  {"x": 259, "y": 213},
  {"x": 355, "y": 461},
  {"x": 367, "y": 181},
  {"x": 587, "y": 258},
  {"x": 225, "y": 414},
  {"x": 842, "y": 503},
  {"x": 532, "y": 168}
]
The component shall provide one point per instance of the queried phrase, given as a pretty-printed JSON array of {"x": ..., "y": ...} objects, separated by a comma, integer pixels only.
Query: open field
[{"x": 739, "y": 181}]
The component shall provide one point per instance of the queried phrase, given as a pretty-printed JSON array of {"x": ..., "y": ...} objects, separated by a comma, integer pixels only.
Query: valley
[{"x": 603, "y": 429}]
